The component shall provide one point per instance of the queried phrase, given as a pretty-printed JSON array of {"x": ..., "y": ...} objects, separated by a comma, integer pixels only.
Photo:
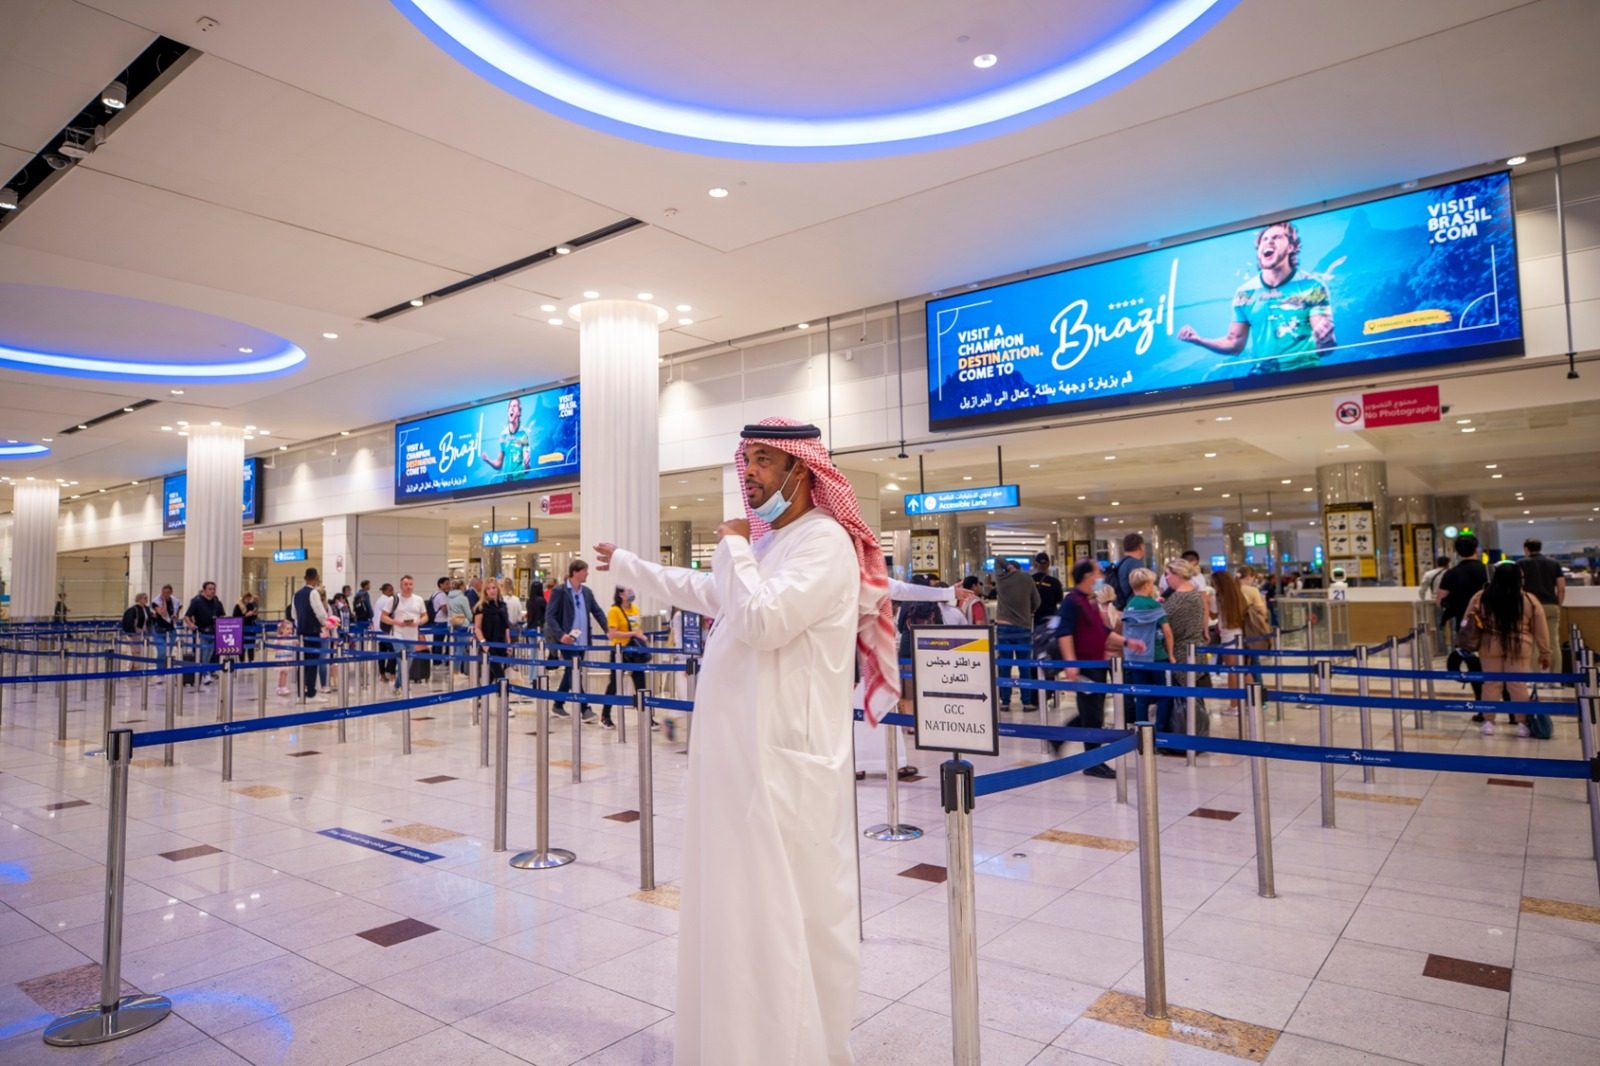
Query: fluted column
[
  {"x": 1077, "y": 540},
  {"x": 679, "y": 540},
  {"x": 214, "y": 516},
  {"x": 1171, "y": 535},
  {"x": 618, "y": 358},
  {"x": 37, "y": 507},
  {"x": 1355, "y": 483}
]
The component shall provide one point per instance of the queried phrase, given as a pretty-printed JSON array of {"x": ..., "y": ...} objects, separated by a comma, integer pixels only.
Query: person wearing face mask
[{"x": 768, "y": 947}]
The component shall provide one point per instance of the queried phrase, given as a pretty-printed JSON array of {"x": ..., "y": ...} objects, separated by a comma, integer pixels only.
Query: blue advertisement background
[
  {"x": 175, "y": 498},
  {"x": 454, "y": 454},
  {"x": 1113, "y": 326}
]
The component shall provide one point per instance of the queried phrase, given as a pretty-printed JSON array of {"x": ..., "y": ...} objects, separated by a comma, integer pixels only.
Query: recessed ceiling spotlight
[
  {"x": 1527, "y": 512},
  {"x": 329, "y": 335},
  {"x": 114, "y": 96},
  {"x": 1496, "y": 477},
  {"x": 547, "y": 308},
  {"x": 1342, "y": 447},
  {"x": 246, "y": 351},
  {"x": 647, "y": 296},
  {"x": 283, "y": 447},
  {"x": 1463, "y": 421},
  {"x": 417, "y": 302},
  {"x": 1199, "y": 488},
  {"x": 127, "y": 410},
  {"x": 249, "y": 436},
  {"x": 1516, "y": 160},
  {"x": 1116, "y": 503},
  {"x": 1469, "y": 429},
  {"x": 590, "y": 294},
  {"x": 685, "y": 321},
  {"x": 804, "y": 325},
  {"x": 183, "y": 424},
  {"x": 1287, "y": 481},
  {"x": 183, "y": 433},
  {"x": 47, "y": 440},
  {"x": 1083, "y": 497},
  {"x": 216, "y": 423},
  {"x": 684, "y": 307},
  {"x": 344, "y": 433},
  {"x": 8, "y": 199},
  {"x": 1306, "y": 489},
  {"x": 1491, "y": 466},
  {"x": 717, "y": 192},
  {"x": 264, "y": 432},
  {"x": 985, "y": 61},
  {"x": 1110, "y": 457},
  {"x": 1033, "y": 466},
  {"x": 249, "y": 429},
  {"x": 176, "y": 392},
  {"x": 1227, "y": 495},
  {"x": 555, "y": 321},
  {"x": 562, "y": 249},
  {"x": 966, "y": 477},
  {"x": 166, "y": 429},
  {"x": 1224, "y": 418},
  {"x": 1211, "y": 455},
  {"x": 83, "y": 425}
]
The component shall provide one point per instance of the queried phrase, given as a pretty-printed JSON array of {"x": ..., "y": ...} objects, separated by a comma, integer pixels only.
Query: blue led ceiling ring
[
  {"x": 475, "y": 38},
  {"x": 22, "y": 450},
  {"x": 287, "y": 358}
]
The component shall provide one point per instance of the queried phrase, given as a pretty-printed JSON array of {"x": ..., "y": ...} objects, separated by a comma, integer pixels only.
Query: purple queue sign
[{"x": 229, "y": 637}]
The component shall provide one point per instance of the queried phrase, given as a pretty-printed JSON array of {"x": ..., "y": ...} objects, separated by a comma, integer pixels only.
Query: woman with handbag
[
  {"x": 627, "y": 636},
  {"x": 1507, "y": 628}
]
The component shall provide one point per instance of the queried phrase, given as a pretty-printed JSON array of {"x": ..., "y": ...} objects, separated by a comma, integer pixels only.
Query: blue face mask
[{"x": 777, "y": 503}]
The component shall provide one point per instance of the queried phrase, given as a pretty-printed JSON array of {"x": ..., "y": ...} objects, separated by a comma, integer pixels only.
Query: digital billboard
[
  {"x": 1413, "y": 280},
  {"x": 494, "y": 447},
  {"x": 175, "y": 498}
]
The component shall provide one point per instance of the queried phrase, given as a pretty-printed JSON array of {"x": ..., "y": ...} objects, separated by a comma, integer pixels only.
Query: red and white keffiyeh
[{"x": 876, "y": 647}]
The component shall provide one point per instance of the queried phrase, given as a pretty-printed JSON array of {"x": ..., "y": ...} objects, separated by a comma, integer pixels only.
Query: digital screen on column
[
  {"x": 502, "y": 446},
  {"x": 175, "y": 498},
  {"x": 1418, "y": 279}
]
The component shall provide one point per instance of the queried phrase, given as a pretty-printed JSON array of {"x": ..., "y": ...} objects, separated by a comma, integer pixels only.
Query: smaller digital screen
[
  {"x": 1219, "y": 562},
  {"x": 289, "y": 555},
  {"x": 990, "y": 498},
  {"x": 501, "y": 538},
  {"x": 175, "y": 498}
]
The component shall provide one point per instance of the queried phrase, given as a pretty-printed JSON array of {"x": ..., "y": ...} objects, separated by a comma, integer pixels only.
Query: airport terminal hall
[{"x": 799, "y": 534}]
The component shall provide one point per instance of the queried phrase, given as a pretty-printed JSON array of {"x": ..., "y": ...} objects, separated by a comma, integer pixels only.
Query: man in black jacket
[
  {"x": 362, "y": 606},
  {"x": 136, "y": 619},
  {"x": 573, "y": 617}
]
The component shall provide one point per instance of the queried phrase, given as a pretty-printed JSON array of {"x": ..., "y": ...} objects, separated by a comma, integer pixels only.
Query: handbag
[{"x": 1469, "y": 634}]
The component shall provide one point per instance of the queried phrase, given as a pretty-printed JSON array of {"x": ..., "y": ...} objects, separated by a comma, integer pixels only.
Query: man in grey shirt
[{"x": 1018, "y": 599}]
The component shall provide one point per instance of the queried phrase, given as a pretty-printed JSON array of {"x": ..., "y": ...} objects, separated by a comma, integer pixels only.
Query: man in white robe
[{"x": 768, "y": 938}]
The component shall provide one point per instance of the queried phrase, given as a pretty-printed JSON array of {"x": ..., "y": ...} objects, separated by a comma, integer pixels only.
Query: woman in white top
[{"x": 508, "y": 592}]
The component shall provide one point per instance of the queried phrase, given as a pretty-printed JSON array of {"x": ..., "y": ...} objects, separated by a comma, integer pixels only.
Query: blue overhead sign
[
  {"x": 1418, "y": 279},
  {"x": 504, "y": 538},
  {"x": 990, "y": 498},
  {"x": 289, "y": 555}
]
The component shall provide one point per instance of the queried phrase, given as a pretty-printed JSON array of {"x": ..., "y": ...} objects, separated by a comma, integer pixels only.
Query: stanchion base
[
  {"x": 92, "y": 1025},
  {"x": 892, "y": 833},
  {"x": 542, "y": 860}
]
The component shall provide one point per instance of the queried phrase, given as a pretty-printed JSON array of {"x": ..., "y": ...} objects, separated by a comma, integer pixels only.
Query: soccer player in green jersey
[
  {"x": 1284, "y": 316},
  {"x": 516, "y": 447}
]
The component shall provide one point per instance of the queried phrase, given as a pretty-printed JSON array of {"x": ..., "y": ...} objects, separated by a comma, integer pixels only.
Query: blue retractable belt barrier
[
  {"x": 1125, "y": 689},
  {"x": 289, "y": 721},
  {"x": 1448, "y": 706},
  {"x": 1005, "y": 780},
  {"x": 1332, "y": 653},
  {"x": 572, "y": 697},
  {"x": 1462, "y": 675},
  {"x": 668, "y": 705},
  {"x": 1404, "y": 760}
]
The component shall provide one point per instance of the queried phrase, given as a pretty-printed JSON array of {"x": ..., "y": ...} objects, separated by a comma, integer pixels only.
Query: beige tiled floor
[{"x": 258, "y": 945}]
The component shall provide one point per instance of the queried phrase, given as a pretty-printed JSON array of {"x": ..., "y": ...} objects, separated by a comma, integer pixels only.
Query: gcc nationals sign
[{"x": 952, "y": 681}]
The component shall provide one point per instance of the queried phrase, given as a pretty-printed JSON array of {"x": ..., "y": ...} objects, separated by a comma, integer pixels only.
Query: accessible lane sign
[
  {"x": 953, "y": 689},
  {"x": 991, "y": 497}
]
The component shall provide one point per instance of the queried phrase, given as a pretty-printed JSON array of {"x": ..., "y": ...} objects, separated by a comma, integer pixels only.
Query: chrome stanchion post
[
  {"x": 955, "y": 786},
  {"x": 483, "y": 714},
  {"x": 1120, "y": 710},
  {"x": 110, "y": 693},
  {"x": 581, "y": 687},
  {"x": 1416, "y": 682},
  {"x": 405, "y": 715},
  {"x": 855, "y": 815},
  {"x": 502, "y": 761},
  {"x": 621, "y": 716},
  {"x": 892, "y": 831},
  {"x": 144, "y": 681},
  {"x": 1588, "y": 697},
  {"x": 1397, "y": 724},
  {"x": 171, "y": 697},
  {"x": 1155, "y": 954},
  {"x": 344, "y": 705},
  {"x": 115, "y": 1015},
  {"x": 1190, "y": 719},
  {"x": 1368, "y": 775},
  {"x": 61, "y": 696},
  {"x": 1260, "y": 795},
  {"x": 647, "y": 799},
  {"x": 225, "y": 715},
  {"x": 543, "y": 856},
  {"x": 474, "y": 679},
  {"x": 262, "y": 672},
  {"x": 1325, "y": 737}
]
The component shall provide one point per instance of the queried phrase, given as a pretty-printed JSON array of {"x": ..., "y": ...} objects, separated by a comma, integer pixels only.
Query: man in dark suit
[{"x": 573, "y": 617}]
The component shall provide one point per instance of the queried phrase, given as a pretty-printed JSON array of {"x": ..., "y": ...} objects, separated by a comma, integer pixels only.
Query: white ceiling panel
[{"x": 55, "y": 57}]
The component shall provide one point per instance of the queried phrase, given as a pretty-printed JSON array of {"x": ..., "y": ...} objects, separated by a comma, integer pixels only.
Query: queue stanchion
[
  {"x": 1325, "y": 738},
  {"x": 855, "y": 812},
  {"x": 61, "y": 695},
  {"x": 144, "y": 681},
  {"x": 1588, "y": 698},
  {"x": 1155, "y": 955},
  {"x": 115, "y": 1015},
  {"x": 502, "y": 762},
  {"x": 1120, "y": 711},
  {"x": 1368, "y": 774},
  {"x": 225, "y": 715},
  {"x": 892, "y": 831},
  {"x": 1430, "y": 633},
  {"x": 447, "y": 646},
  {"x": 481, "y": 709},
  {"x": 1260, "y": 794},
  {"x": 1397, "y": 723},
  {"x": 344, "y": 705},
  {"x": 1416, "y": 681},
  {"x": 109, "y": 694},
  {"x": 955, "y": 788},
  {"x": 1277, "y": 660},
  {"x": 582, "y": 688},
  {"x": 543, "y": 856},
  {"x": 3, "y": 657},
  {"x": 1191, "y": 720},
  {"x": 405, "y": 716},
  {"x": 170, "y": 716},
  {"x": 475, "y": 679},
  {"x": 621, "y": 717},
  {"x": 647, "y": 799},
  {"x": 83, "y": 675}
]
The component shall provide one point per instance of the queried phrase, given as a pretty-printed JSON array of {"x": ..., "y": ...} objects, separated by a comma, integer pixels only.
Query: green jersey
[
  {"x": 1279, "y": 318},
  {"x": 516, "y": 455}
]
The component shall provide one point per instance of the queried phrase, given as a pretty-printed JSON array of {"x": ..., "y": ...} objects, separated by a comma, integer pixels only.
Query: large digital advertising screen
[
  {"x": 1413, "y": 280},
  {"x": 175, "y": 498},
  {"x": 494, "y": 447}
]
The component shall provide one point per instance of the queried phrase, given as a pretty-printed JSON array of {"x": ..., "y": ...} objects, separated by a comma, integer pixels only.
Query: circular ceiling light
[
  {"x": 483, "y": 37},
  {"x": 717, "y": 192},
  {"x": 985, "y": 61},
  {"x": 22, "y": 450}
]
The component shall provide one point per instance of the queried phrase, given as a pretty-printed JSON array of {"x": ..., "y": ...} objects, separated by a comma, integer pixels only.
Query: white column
[
  {"x": 37, "y": 507},
  {"x": 618, "y": 363},
  {"x": 141, "y": 564},
  {"x": 339, "y": 552},
  {"x": 6, "y": 522},
  {"x": 732, "y": 493},
  {"x": 214, "y": 527}
]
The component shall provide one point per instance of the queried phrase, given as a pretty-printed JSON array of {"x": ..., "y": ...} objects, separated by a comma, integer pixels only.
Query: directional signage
[
  {"x": 953, "y": 689},
  {"x": 504, "y": 538},
  {"x": 289, "y": 555},
  {"x": 990, "y": 498},
  {"x": 229, "y": 637}
]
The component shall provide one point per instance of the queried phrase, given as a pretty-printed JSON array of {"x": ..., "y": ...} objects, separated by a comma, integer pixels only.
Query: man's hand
[
  {"x": 963, "y": 595},
  {"x": 734, "y": 527},
  {"x": 566, "y": 638},
  {"x": 602, "y": 553},
  {"x": 1070, "y": 673},
  {"x": 1135, "y": 644}
]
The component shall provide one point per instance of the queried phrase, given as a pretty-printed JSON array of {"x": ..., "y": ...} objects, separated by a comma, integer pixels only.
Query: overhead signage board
[
  {"x": 505, "y": 538},
  {"x": 1418, "y": 279},
  {"x": 953, "y": 689},
  {"x": 504, "y": 446},
  {"x": 990, "y": 498},
  {"x": 1391, "y": 407},
  {"x": 175, "y": 498},
  {"x": 289, "y": 555}
]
